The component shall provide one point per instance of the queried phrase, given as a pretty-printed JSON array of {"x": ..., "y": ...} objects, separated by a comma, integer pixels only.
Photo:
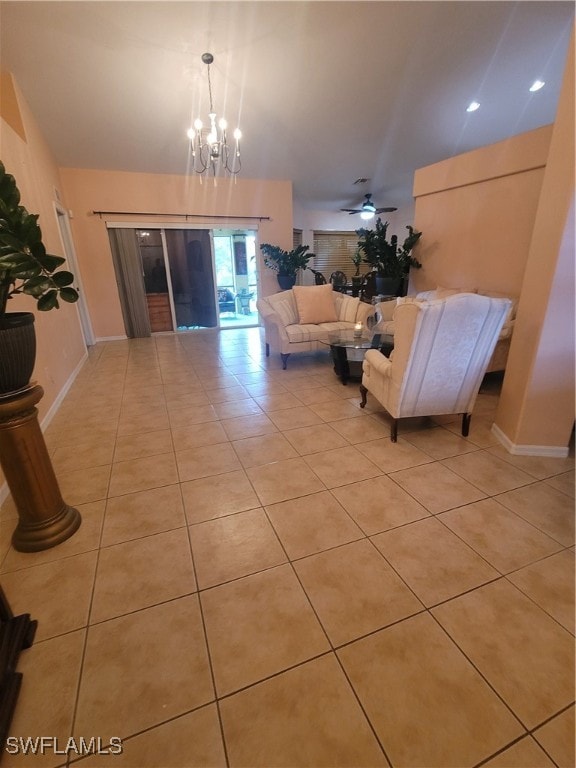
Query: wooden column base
[
  {"x": 44, "y": 518},
  {"x": 34, "y": 537}
]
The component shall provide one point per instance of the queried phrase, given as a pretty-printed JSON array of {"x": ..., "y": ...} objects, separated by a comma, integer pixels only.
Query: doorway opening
[{"x": 70, "y": 255}]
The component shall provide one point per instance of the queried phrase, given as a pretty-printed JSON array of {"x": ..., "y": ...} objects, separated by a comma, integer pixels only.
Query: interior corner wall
[
  {"x": 265, "y": 205},
  {"x": 536, "y": 407},
  {"x": 476, "y": 212},
  {"x": 25, "y": 154}
]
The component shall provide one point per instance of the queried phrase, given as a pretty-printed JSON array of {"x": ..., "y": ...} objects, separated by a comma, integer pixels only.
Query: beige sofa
[
  {"x": 385, "y": 312},
  {"x": 300, "y": 319}
]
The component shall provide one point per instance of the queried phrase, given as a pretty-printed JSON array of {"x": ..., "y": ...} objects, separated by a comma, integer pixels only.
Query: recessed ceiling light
[
  {"x": 536, "y": 85},
  {"x": 473, "y": 106}
]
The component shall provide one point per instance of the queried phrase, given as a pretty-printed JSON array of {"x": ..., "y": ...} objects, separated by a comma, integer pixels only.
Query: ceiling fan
[{"x": 368, "y": 209}]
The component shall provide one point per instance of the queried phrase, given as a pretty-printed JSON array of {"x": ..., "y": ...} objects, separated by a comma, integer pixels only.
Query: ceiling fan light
[{"x": 366, "y": 214}]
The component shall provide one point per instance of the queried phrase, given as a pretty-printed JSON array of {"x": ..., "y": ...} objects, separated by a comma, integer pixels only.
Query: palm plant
[
  {"x": 387, "y": 257},
  {"x": 286, "y": 263}
]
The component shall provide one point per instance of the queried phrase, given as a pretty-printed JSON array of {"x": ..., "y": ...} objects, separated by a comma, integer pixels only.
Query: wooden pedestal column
[{"x": 45, "y": 519}]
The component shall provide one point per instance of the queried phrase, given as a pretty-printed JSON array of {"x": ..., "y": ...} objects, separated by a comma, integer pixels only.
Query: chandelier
[{"x": 211, "y": 151}]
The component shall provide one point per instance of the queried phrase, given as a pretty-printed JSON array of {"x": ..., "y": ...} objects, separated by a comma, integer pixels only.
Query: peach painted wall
[
  {"x": 536, "y": 406},
  {"x": 477, "y": 211},
  {"x": 94, "y": 190},
  {"x": 59, "y": 339}
]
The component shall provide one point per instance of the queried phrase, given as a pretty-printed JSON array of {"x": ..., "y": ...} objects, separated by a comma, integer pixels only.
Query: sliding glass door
[
  {"x": 189, "y": 255},
  {"x": 172, "y": 279}
]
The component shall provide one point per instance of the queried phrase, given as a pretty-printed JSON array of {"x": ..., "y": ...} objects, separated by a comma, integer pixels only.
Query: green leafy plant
[
  {"x": 387, "y": 257},
  {"x": 25, "y": 266},
  {"x": 286, "y": 263},
  {"x": 357, "y": 260}
]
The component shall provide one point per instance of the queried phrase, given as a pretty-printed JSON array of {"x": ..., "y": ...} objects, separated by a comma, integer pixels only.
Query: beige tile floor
[{"x": 262, "y": 578}]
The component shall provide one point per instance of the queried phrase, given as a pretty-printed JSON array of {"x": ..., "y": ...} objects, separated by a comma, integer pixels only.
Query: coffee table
[{"x": 348, "y": 351}]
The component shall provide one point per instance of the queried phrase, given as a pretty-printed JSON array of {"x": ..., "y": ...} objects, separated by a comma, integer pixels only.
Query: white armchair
[{"x": 441, "y": 352}]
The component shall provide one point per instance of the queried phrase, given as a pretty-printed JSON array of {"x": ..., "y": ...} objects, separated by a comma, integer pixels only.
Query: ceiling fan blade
[{"x": 368, "y": 206}]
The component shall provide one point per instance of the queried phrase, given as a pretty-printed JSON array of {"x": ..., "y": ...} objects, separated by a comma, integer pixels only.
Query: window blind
[{"x": 334, "y": 251}]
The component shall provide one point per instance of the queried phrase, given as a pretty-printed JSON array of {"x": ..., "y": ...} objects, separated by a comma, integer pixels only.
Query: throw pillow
[
  {"x": 285, "y": 307},
  {"x": 347, "y": 306},
  {"x": 315, "y": 303}
]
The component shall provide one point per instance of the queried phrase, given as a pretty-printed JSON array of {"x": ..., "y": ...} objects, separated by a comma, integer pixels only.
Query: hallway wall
[{"x": 25, "y": 154}]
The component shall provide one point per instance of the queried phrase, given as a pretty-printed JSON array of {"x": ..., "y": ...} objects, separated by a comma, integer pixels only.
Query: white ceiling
[{"x": 324, "y": 92}]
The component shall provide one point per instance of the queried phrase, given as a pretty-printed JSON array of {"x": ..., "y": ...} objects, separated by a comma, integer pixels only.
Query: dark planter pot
[
  {"x": 356, "y": 284},
  {"x": 388, "y": 286},
  {"x": 286, "y": 281},
  {"x": 17, "y": 350}
]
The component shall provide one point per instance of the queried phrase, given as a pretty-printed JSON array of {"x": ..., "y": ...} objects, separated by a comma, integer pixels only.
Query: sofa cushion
[
  {"x": 315, "y": 303},
  {"x": 314, "y": 331},
  {"x": 410, "y": 300},
  {"x": 285, "y": 307},
  {"x": 305, "y": 332},
  {"x": 384, "y": 326},
  {"x": 347, "y": 307}
]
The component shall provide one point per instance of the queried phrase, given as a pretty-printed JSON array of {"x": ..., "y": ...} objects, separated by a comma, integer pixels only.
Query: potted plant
[
  {"x": 286, "y": 263},
  {"x": 391, "y": 261},
  {"x": 356, "y": 277},
  {"x": 25, "y": 267}
]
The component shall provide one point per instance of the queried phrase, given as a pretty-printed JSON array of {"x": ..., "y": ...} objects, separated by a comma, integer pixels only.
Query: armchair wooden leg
[
  {"x": 363, "y": 393},
  {"x": 284, "y": 360},
  {"x": 466, "y": 424},
  {"x": 267, "y": 349},
  {"x": 394, "y": 431}
]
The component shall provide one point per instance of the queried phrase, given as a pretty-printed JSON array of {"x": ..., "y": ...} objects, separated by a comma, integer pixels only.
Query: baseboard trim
[
  {"x": 553, "y": 451},
  {"x": 62, "y": 394},
  {"x": 110, "y": 338}
]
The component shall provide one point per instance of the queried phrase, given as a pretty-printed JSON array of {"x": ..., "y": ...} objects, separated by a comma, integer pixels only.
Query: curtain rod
[{"x": 186, "y": 216}]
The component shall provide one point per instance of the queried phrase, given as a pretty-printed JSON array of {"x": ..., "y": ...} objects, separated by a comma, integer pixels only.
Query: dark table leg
[{"x": 341, "y": 363}]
